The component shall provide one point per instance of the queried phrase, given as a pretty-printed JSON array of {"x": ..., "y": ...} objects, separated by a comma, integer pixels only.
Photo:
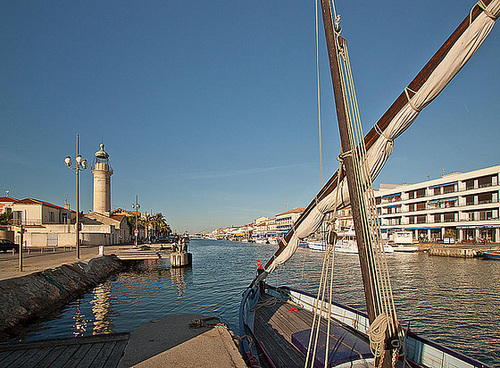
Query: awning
[
  {"x": 443, "y": 185},
  {"x": 393, "y": 205},
  {"x": 391, "y": 195},
  {"x": 452, "y": 199},
  {"x": 423, "y": 228}
]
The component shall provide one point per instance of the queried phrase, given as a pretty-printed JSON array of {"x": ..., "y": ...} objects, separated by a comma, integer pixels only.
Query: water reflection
[
  {"x": 450, "y": 300},
  {"x": 80, "y": 323},
  {"x": 178, "y": 280},
  {"x": 102, "y": 309}
]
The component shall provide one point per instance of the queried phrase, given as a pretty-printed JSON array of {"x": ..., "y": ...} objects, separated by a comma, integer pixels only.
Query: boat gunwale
[{"x": 409, "y": 333}]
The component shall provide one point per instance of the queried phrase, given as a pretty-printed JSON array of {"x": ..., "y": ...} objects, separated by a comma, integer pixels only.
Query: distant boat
[
  {"x": 284, "y": 327},
  {"x": 316, "y": 245},
  {"x": 347, "y": 244},
  {"x": 491, "y": 255},
  {"x": 405, "y": 248},
  {"x": 272, "y": 241}
]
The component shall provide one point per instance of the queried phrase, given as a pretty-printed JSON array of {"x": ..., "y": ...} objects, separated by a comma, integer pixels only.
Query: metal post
[
  {"x": 77, "y": 199},
  {"x": 21, "y": 248}
]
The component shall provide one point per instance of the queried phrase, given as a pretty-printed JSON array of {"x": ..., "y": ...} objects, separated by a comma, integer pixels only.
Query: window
[
  {"x": 411, "y": 207},
  {"x": 420, "y": 206},
  {"x": 486, "y": 215},
  {"x": 449, "y": 217},
  {"x": 437, "y": 191},
  {"x": 469, "y": 200},
  {"x": 485, "y": 198},
  {"x": 437, "y": 218},
  {"x": 449, "y": 189},
  {"x": 485, "y": 181},
  {"x": 421, "y": 193},
  {"x": 469, "y": 184},
  {"x": 421, "y": 219}
]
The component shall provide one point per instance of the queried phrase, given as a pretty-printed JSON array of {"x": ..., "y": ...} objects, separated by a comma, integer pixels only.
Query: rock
[{"x": 38, "y": 294}]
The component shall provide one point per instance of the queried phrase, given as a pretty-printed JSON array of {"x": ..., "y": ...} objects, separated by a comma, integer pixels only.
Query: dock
[
  {"x": 97, "y": 351},
  {"x": 172, "y": 341},
  {"x": 457, "y": 250},
  {"x": 139, "y": 254}
]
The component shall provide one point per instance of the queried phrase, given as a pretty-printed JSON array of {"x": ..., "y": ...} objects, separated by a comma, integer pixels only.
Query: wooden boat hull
[{"x": 420, "y": 352}]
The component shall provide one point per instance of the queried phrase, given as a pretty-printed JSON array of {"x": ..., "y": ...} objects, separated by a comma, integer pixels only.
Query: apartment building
[
  {"x": 284, "y": 221},
  {"x": 459, "y": 206}
]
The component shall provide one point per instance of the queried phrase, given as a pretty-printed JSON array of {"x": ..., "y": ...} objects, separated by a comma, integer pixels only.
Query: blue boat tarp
[{"x": 344, "y": 346}]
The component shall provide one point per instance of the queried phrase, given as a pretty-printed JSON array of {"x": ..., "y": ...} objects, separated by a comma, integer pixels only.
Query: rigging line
[
  {"x": 386, "y": 297},
  {"x": 319, "y": 98},
  {"x": 384, "y": 293}
]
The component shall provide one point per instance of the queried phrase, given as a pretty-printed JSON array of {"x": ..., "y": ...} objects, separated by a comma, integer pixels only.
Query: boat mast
[
  {"x": 395, "y": 109},
  {"x": 333, "y": 41}
]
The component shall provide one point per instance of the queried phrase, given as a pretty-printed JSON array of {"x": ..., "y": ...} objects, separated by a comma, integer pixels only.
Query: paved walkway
[{"x": 37, "y": 261}]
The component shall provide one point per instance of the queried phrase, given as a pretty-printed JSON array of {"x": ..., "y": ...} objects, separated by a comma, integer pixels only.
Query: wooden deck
[
  {"x": 278, "y": 330},
  {"x": 98, "y": 351}
]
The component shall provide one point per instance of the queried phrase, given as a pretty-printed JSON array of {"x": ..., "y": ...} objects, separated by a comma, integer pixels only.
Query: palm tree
[
  {"x": 160, "y": 225},
  {"x": 147, "y": 221}
]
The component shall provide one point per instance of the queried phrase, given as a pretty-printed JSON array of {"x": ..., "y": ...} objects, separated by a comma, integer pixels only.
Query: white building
[
  {"x": 284, "y": 221},
  {"x": 463, "y": 206}
]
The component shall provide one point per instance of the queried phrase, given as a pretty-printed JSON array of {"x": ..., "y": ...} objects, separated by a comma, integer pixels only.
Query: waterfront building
[
  {"x": 458, "y": 206},
  {"x": 47, "y": 224},
  {"x": 284, "y": 221}
]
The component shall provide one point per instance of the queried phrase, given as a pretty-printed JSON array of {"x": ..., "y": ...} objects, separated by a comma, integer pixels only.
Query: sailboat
[{"x": 285, "y": 327}]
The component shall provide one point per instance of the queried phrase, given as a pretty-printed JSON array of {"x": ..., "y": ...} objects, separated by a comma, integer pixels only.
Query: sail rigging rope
[
  {"x": 380, "y": 282},
  {"x": 319, "y": 98},
  {"x": 386, "y": 326}
]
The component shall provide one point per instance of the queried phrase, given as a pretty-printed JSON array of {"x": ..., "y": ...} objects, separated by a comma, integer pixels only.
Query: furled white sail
[{"x": 377, "y": 155}]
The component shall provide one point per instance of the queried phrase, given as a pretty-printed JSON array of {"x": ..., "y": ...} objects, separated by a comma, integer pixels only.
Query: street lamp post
[
  {"x": 80, "y": 165},
  {"x": 136, "y": 206}
]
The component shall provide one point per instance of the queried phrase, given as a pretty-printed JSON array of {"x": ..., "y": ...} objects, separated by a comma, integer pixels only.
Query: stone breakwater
[{"x": 26, "y": 298}]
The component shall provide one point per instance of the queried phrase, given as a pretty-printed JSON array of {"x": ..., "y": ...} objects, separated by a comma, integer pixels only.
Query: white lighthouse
[{"x": 102, "y": 182}]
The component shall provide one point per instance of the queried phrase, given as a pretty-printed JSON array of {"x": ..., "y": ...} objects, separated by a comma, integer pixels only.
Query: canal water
[{"x": 452, "y": 301}]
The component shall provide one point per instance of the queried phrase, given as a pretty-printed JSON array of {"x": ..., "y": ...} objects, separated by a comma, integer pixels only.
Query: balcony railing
[{"x": 35, "y": 222}]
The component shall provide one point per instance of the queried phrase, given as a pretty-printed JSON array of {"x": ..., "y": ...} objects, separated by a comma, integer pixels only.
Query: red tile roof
[
  {"x": 8, "y": 199},
  {"x": 36, "y": 201}
]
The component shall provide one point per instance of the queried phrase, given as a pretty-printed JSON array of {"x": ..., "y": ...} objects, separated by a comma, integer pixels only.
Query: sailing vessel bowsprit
[{"x": 320, "y": 332}]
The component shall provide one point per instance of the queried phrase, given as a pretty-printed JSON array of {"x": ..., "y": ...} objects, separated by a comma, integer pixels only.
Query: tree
[
  {"x": 160, "y": 225},
  {"x": 5, "y": 217}
]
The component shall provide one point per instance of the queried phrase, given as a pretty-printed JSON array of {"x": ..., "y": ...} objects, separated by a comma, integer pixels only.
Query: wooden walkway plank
[
  {"x": 77, "y": 356},
  {"x": 3, "y": 355},
  {"x": 54, "y": 354},
  {"x": 36, "y": 358},
  {"x": 88, "y": 359},
  {"x": 64, "y": 356},
  {"x": 12, "y": 358},
  {"x": 102, "y": 357},
  {"x": 116, "y": 354}
]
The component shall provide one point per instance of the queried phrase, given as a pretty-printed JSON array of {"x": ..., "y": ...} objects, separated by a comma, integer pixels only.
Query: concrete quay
[
  {"x": 175, "y": 341},
  {"x": 456, "y": 250},
  {"x": 182, "y": 342}
]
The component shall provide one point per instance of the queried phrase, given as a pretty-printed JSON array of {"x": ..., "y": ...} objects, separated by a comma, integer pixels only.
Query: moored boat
[
  {"x": 289, "y": 328},
  {"x": 491, "y": 255},
  {"x": 405, "y": 248}
]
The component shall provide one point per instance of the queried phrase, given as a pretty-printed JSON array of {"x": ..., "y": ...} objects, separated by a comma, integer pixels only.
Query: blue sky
[{"x": 208, "y": 108}]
